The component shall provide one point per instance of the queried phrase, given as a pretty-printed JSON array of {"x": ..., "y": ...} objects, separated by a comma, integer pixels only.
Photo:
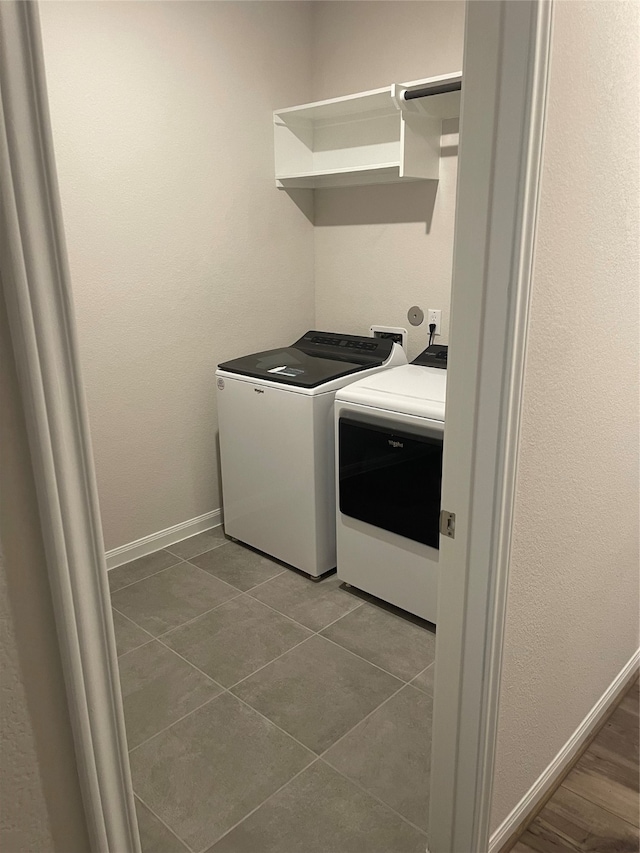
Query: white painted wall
[
  {"x": 182, "y": 252},
  {"x": 572, "y": 615},
  {"x": 381, "y": 249}
]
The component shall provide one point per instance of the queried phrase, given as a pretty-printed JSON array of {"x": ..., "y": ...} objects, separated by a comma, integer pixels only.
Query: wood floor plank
[
  {"x": 632, "y": 697},
  {"x": 587, "y": 780},
  {"x": 620, "y": 738},
  {"x": 632, "y": 706},
  {"x": 542, "y": 838},
  {"x": 619, "y": 753},
  {"x": 570, "y": 823},
  {"x": 521, "y": 848},
  {"x": 629, "y": 703},
  {"x": 620, "y": 768},
  {"x": 623, "y": 726},
  {"x": 633, "y": 694}
]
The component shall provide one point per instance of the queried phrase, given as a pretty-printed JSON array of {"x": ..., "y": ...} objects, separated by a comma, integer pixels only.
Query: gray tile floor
[{"x": 268, "y": 713}]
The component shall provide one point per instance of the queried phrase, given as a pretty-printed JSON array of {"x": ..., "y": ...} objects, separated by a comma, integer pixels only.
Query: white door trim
[
  {"x": 502, "y": 125},
  {"x": 35, "y": 281}
]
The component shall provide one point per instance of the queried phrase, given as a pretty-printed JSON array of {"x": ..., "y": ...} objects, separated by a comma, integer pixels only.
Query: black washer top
[
  {"x": 316, "y": 358},
  {"x": 433, "y": 356}
]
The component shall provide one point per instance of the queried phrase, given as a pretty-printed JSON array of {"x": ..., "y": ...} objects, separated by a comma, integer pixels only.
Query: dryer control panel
[{"x": 433, "y": 356}]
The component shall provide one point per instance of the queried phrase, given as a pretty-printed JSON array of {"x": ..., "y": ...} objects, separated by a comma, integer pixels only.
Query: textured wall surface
[
  {"x": 182, "y": 251},
  {"x": 24, "y": 822},
  {"x": 381, "y": 249},
  {"x": 572, "y": 618},
  {"x": 40, "y": 803}
]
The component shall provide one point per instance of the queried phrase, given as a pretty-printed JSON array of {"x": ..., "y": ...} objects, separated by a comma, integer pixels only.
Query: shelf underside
[{"x": 382, "y": 173}]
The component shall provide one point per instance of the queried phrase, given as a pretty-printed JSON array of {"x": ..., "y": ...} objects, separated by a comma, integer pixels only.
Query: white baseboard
[
  {"x": 563, "y": 759},
  {"x": 149, "y": 544}
]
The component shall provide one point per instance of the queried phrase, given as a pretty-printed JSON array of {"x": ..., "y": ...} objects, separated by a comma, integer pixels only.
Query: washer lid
[
  {"x": 409, "y": 389},
  {"x": 318, "y": 357}
]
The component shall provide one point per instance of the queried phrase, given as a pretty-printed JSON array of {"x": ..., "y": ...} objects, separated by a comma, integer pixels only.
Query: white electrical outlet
[{"x": 435, "y": 316}]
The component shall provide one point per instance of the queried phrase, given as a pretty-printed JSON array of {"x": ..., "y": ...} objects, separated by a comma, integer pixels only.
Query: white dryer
[
  {"x": 389, "y": 434},
  {"x": 275, "y": 414}
]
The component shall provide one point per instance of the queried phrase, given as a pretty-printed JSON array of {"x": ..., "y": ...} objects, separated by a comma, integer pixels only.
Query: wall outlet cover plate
[{"x": 396, "y": 333}]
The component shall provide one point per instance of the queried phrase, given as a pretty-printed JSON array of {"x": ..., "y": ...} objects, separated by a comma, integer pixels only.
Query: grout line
[
  {"x": 183, "y": 717},
  {"x": 356, "y": 655},
  {"x": 179, "y": 563},
  {"x": 212, "y": 575},
  {"x": 344, "y": 615},
  {"x": 169, "y": 648},
  {"x": 139, "y": 627},
  {"x": 135, "y": 624},
  {"x": 226, "y": 601},
  {"x": 268, "y": 580},
  {"x": 153, "y": 574},
  {"x": 193, "y": 619},
  {"x": 295, "y": 621},
  {"x": 264, "y": 665},
  {"x": 245, "y": 702},
  {"x": 374, "y": 797},
  {"x": 316, "y": 634},
  {"x": 193, "y": 665},
  {"x": 284, "y": 731},
  {"x": 129, "y": 619},
  {"x": 417, "y": 686},
  {"x": 300, "y": 625},
  {"x": 166, "y": 825},
  {"x": 366, "y": 717},
  {"x": 279, "y": 612},
  {"x": 424, "y": 693},
  {"x": 291, "y": 619},
  {"x": 206, "y": 550},
  {"x": 124, "y": 655},
  {"x": 248, "y": 815}
]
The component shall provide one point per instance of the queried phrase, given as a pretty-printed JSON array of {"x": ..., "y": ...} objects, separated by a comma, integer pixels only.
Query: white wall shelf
[{"x": 369, "y": 138}]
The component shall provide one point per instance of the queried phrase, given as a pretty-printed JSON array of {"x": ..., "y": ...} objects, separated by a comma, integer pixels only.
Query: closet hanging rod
[{"x": 426, "y": 91}]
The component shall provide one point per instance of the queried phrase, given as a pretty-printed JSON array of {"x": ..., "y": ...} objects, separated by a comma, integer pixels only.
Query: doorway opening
[{"x": 114, "y": 730}]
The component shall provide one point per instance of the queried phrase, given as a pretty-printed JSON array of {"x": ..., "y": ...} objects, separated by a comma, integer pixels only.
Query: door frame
[
  {"x": 505, "y": 68},
  {"x": 506, "y": 64},
  {"x": 36, "y": 286}
]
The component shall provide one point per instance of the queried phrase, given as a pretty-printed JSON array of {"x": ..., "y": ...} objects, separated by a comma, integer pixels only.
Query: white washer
[
  {"x": 389, "y": 432},
  {"x": 275, "y": 412}
]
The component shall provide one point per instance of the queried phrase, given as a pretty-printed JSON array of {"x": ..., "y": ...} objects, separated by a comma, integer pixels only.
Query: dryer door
[{"x": 391, "y": 478}]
